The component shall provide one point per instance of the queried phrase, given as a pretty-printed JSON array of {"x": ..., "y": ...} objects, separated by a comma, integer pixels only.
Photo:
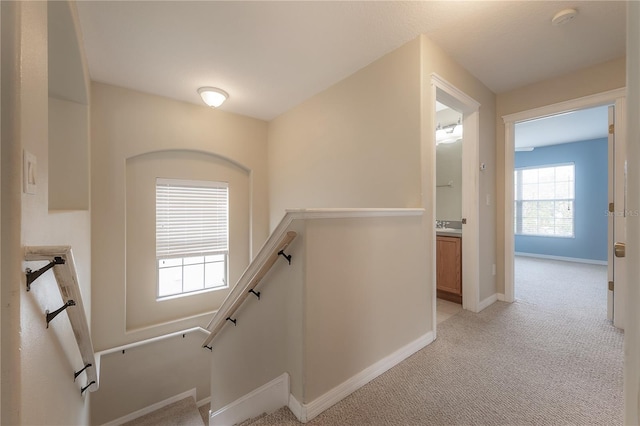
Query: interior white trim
[
  {"x": 306, "y": 412},
  {"x": 589, "y": 101},
  {"x": 485, "y": 303},
  {"x": 447, "y": 93},
  {"x": 297, "y": 409},
  {"x": 563, "y": 258},
  {"x": 153, "y": 407},
  {"x": 265, "y": 399},
  {"x": 616, "y": 96}
]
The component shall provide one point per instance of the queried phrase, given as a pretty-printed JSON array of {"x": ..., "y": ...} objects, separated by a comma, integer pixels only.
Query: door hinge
[
  {"x": 612, "y": 129},
  {"x": 611, "y": 285},
  {"x": 611, "y": 208}
]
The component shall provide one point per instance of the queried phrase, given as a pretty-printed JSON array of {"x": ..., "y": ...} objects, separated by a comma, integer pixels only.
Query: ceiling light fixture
[
  {"x": 564, "y": 16},
  {"x": 213, "y": 96}
]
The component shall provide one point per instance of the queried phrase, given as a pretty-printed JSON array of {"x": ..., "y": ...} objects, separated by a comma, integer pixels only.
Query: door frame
[
  {"x": 615, "y": 97},
  {"x": 450, "y": 95}
]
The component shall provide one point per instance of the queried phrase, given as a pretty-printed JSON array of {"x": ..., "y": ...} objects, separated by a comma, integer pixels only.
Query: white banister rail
[
  {"x": 247, "y": 282},
  {"x": 61, "y": 261},
  {"x": 149, "y": 340}
]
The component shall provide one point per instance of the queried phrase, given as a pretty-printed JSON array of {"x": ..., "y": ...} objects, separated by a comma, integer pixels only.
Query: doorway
[
  {"x": 616, "y": 192},
  {"x": 466, "y": 110}
]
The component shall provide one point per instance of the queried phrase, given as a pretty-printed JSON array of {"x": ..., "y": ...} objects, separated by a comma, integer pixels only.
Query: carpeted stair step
[{"x": 180, "y": 413}]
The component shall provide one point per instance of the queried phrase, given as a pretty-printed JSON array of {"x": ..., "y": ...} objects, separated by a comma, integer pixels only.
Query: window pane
[
  {"x": 214, "y": 275},
  {"x": 166, "y": 263},
  {"x": 193, "y": 277},
  {"x": 546, "y": 191},
  {"x": 530, "y": 176},
  {"x": 529, "y": 225},
  {"x": 564, "y": 227},
  {"x": 563, "y": 190},
  {"x": 564, "y": 173},
  {"x": 546, "y": 175},
  {"x": 530, "y": 191},
  {"x": 169, "y": 281}
]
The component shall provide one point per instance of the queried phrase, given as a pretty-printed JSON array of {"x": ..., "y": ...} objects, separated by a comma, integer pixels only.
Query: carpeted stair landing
[{"x": 181, "y": 413}]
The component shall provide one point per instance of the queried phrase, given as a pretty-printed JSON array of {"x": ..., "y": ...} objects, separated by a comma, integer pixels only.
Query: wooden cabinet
[{"x": 449, "y": 268}]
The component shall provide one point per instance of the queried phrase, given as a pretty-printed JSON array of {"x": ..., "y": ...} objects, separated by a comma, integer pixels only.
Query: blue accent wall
[{"x": 591, "y": 202}]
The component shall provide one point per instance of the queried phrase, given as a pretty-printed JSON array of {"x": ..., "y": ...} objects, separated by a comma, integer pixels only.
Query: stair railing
[
  {"x": 61, "y": 261},
  {"x": 247, "y": 283}
]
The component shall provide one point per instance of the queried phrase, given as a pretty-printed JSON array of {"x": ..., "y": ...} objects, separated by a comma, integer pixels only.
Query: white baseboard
[
  {"x": 487, "y": 302},
  {"x": 206, "y": 400},
  {"x": 306, "y": 412},
  {"x": 265, "y": 399},
  {"x": 152, "y": 408},
  {"x": 501, "y": 297},
  {"x": 566, "y": 259},
  {"x": 297, "y": 409}
]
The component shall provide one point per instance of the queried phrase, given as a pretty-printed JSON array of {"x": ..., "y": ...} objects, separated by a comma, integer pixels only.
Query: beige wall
[
  {"x": 353, "y": 294},
  {"x": 597, "y": 79},
  {"x": 40, "y": 361},
  {"x": 128, "y": 124},
  {"x": 354, "y": 145},
  {"x": 68, "y": 155},
  {"x": 364, "y": 296}
]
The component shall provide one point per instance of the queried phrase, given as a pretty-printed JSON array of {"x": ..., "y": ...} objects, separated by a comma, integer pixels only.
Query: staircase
[{"x": 181, "y": 413}]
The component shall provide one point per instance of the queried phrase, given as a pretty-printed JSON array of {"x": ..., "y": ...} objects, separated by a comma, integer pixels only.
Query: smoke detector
[{"x": 564, "y": 16}]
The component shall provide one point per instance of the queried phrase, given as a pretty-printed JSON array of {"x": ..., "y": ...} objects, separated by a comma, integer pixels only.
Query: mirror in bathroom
[{"x": 448, "y": 163}]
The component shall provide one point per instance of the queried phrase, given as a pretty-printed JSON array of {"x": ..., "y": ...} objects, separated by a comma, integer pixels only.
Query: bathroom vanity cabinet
[{"x": 449, "y": 268}]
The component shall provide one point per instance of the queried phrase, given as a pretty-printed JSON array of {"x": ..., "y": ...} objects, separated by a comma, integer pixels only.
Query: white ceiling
[
  {"x": 270, "y": 56},
  {"x": 575, "y": 126}
]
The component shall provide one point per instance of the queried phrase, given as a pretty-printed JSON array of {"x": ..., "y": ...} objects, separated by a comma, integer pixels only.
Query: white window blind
[{"x": 192, "y": 218}]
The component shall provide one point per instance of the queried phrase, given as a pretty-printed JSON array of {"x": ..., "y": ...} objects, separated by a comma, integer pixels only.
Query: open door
[{"x": 617, "y": 213}]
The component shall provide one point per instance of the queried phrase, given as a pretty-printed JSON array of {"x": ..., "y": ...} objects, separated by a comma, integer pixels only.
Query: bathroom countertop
[{"x": 449, "y": 232}]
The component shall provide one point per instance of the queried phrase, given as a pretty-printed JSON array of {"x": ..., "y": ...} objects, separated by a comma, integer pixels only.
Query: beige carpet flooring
[{"x": 550, "y": 358}]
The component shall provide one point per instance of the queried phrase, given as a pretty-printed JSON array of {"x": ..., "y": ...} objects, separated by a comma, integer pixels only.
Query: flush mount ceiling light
[
  {"x": 213, "y": 96},
  {"x": 564, "y": 16}
]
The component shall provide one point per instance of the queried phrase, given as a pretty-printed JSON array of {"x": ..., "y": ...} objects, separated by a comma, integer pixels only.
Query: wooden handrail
[
  {"x": 64, "y": 269},
  {"x": 279, "y": 240},
  {"x": 247, "y": 282}
]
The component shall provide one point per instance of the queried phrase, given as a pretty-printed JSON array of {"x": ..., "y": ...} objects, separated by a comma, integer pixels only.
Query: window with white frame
[
  {"x": 544, "y": 200},
  {"x": 192, "y": 236}
]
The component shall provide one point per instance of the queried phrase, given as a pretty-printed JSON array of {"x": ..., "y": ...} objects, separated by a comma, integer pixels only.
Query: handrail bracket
[
  {"x": 51, "y": 315},
  {"x": 34, "y": 275},
  {"x": 283, "y": 254}
]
